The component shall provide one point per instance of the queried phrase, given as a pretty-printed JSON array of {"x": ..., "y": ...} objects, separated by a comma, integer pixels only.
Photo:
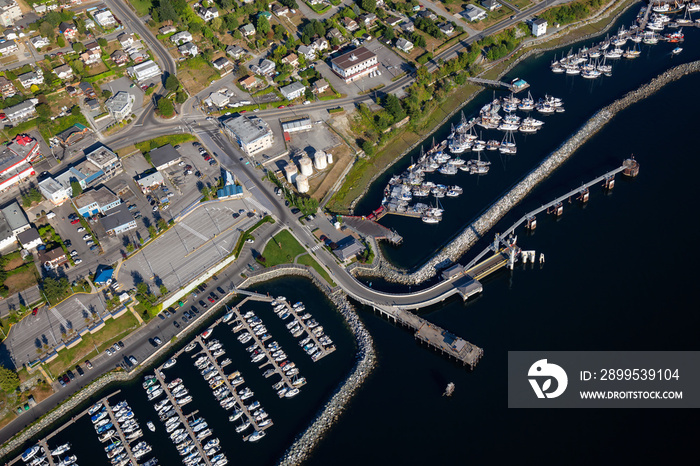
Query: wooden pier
[
  {"x": 183, "y": 418},
  {"x": 500, "y": 84},
  {"x": 239, "y": 402},
  {"x": 120, "y": 433}
]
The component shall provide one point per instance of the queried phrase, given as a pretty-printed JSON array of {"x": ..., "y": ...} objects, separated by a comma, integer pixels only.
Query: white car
[
  {"x": 81, "y": 229},
  {"x": 307, "y": 102},
  {"x": 250, "y": 240},
  {"x": 73, "y": 253},
  {"x": 77, "y": 261},
  {"x": 87, "y": 237}
]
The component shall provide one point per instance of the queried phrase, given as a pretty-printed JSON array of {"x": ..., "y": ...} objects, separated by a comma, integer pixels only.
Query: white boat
[
  {"x": 169, "y": 363},
  {"x": 677, "y": 50},
  {"x": 60, "y": 450},
  {"x": 430, "y": 219},
  {"x": 227, "y": 317},
  {"x": 242, "y": 427},
  {"x": 30, "y": 453},
  {"x": 191, "y": 346},
  {"x": 292, "y": 393},
  {"x": 207, "y": 333},
  {"x": 96, "y": 407},
  {"x": 257, "y": 435}
]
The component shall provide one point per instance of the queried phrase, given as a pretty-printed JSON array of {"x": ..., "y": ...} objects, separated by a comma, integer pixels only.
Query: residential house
[
  {"x": 33, "y": 77},
  {"x": 293, "y": 91},
  {"x": 539, "y": 27},
  {"x": 291, "y": 59},
  {"x": 90, "y": 24},
  {"x": 222, "y": 64},
  {"x": 217, "y": 99},
  {"x": 315, "y": 2},
  {"x": 125, "y": 40},
  {"x": 119, "y": 57},
  {"x": 350, "y": 24},
  {"x": 8, "y": 47},
  {"x": 143, "y": 71},
  {"x": 188, "y": 49},
  {"x": 105, "y": 18},
  {"x": 73, "y": 134},
  {"x": 249, "y": 82},
  {"x": 91, "y": 57},
  {"x": 9, "y": 12},
  {"x": 392, "y": 20},
  {"x": 427, "y": 14},
  {"x": 149, "y": 180},
  {"x": 307, "y": 52},
  {"x": 120, "y": 105},
  {"x": 39, "y": 42},
  {"x": 30, "y": 239},
  {"x": 92, "y": 46},
  {"x": 64, "y": 72},
  {"x": 280, "y": 10},
  {"x": 207, "y": 14},
  {"x": 490, "y": 5},
  {"x": 7, "y": 88},
  {"x": 447, "y": 28},
  {"x": 320, "y": 44},
  {"x": 181, "y": 37},
  {"x": 473, "y": 13},
  {"x": 235, "y": 51},
  {"x": 138, "y": 56},
  {"x": 10, "y": 34},
  {"x": 87, "y": 90},
  {"x": 334, "y": 33},
  {"x": 355, "y": 64},
  {"x": 367, "y": 20},
  {"x": 167, "y": 30},
  {"x": 266, "y": 68},
  {"x": 165, "y": 156},
  {"x": 319, "y": 86},
  {"x": 53, "y": 258},
  {"x": 404, "y": 45},
  {"x": 247, "y": 30},
  {"x": 408, "y": 27},
  {"x": 92, "y": 104},
  {"x": 68, "y": 30}
]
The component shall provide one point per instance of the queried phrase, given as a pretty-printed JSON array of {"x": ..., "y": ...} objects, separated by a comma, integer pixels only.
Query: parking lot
[{"x": 70, "y": 235}]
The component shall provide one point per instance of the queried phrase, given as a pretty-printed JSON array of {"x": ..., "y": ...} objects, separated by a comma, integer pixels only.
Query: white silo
[
  {"x": 302, "y": 183},
  {"x": 290, "y": 171},
  {"x": 306, "y": 166},
  {"x": 320, "y": 160},
  {"x": 329, "y": 158}
]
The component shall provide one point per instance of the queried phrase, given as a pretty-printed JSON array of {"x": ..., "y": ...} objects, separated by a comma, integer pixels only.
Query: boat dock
[
  {"x": 183, "y": 418},
  {"x": 303, "y": 324},
  {"x": 367, "y": 227},
  {"x": 120, "y": 433},
  {"x": 514, "y": 87},
  {"x": 49, "y": 456},
  {"x": 231, "y": 388}
]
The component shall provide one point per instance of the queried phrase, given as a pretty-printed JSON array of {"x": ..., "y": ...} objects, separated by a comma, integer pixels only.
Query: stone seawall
[
  {"x": 365, "y": 361},
  {"x": 474, "y": 231}
]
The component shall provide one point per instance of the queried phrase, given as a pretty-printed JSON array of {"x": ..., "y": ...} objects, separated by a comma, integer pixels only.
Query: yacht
[
  {"x": 590, "y": 74},
  {"x": 191, "y": 346},
  {"x": 257, "y": 435},
  {"x": 207, "y": 333},
  {"x": 96, "y": 407},
  {"x": 227, "y": 317},
  {"x": 242, "y": 427},
  {"x": 31, "y": 452},
  {"x": 169, "y": 363},
  {"x": 291, "y": 393},
  {"x": 236, "y": 415},
  {"x": 174, "y": 384},
  {"x": 677, "y": 50}
]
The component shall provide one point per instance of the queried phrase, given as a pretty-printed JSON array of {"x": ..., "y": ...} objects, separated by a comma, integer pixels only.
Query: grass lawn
[
  {"x": 521, "y": 4},
  {"x": 307, "y": 260},
  {"x": 142, "y": 7},
  {"x": 113, "y": 331},
  {"x": 492, "y": 18},
  {"x": 275, "y": 255},
  {"x": 195, "y": 74}
]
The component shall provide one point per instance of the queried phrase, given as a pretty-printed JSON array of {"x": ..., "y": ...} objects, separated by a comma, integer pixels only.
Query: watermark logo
[{"x": 545, "y": 372}]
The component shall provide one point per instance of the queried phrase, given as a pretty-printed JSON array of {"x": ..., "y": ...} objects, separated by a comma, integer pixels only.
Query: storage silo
[
  {"x": 290, "y": 171},
  {"x": 320, "y": 160},
  {"x": 329, "y": 158},
  {"x": 302, "y": 183},
  {"x": 306, "y": 166}
]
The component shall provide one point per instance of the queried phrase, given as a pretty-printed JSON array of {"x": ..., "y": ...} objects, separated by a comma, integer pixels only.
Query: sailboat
[
  {"x": 478, "y": 167},
  {"x": 508, "y": 144}
]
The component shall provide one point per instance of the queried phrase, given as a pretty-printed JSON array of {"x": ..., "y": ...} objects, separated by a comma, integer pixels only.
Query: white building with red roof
[{"x": 16, "y": 159}]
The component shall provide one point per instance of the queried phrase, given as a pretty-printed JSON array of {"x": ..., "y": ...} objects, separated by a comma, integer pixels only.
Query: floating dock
[
  {"x": 120, "y": 433},
  {"x": 303, "y": 324}
]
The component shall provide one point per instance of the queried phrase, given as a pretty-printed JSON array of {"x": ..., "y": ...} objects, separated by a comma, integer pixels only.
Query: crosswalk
[{"x": 316, "y": 248}]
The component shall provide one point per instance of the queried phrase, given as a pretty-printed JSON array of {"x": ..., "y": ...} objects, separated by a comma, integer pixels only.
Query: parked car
[
  {"x": 77, "y": 261},
  {"x": 35, "y": 310},
  {"x": 211, "y": 300},
  {"x": 93, "y": 247},
  {"x": 79, "y": 370},
  {"x": 109, "y": 351},
  {"x": 120, "y": 343},
  {"x": 73, "y": 253},
  {"x": 220, "y": 290},
  {"x": 176, "y": 324},
  {"x": 73, "y": 222},
  {"x": 66, "y": 379},
  {"x": 60, "y": 380},
  {"x": 88, "y": 364},
  {"x": 67, "y": 243},
  {"x": 81, "y": 229},
  {"x": 133, "y": 360},
  {"x": 194, "y": 310}
]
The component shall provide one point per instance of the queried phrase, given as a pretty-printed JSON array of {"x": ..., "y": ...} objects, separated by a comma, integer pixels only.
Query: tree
[
  {"x": 308, "y": 94},
  {"x": 232, "y": 22},
  {"x": 162, "y": 224},
  {"x": 226, "y": 4},
  {"x": 102, "y": 41},
  {"x": 61, "y": 41},
  {"x": 79, "y": 47},
  {"x": 393, "y": 106},
  {"x": 77, "y": 189},
  {"x": 163, "y": 290},
  {"x": 44, "y": 111},
  {"x": 389, "y": 34},
  {"x": 181, "y": 97},
  {"x": 369, "y": 5},
  {"x": 53, "y": 18},
  {"x": 262, "y": 26},
  {"x": 172, "y": 83},
  {"x": 418, "y": 40},
  {"x": 216, "y": 23},
  {"x": 166, "y": 107},
  {"x": 166, "y": 11},
  {"x": 368, "y": 147},
  {"x": 9, "y": 380},
  {"x": 75, "y": 111},
  {"x": 106, "y": 94},
  {"x": 54, "y": 289},
  {"x": 47, "y": 30}
]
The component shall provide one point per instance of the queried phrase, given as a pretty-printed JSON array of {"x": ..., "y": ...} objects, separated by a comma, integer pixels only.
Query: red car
[
  {"x": 207, "y": 158},
  {"x": 2, "y": 116},
  {"x": 281, "y": 106},
  {"x": 73, "y": 222},
  {"x": 211, "y": 300},
  {"x": 243, "y": 111},
  {"x": 35, "y": 310}
]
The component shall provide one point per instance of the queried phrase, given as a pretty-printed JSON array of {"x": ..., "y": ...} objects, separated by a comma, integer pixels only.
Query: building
[
  {"x": 138, "y": 56},
  {"x": 164, "y": 157},
  {"x": 68, "y": 30},
  {"x": 334, "y": 33},
  {"x": 188, "y": 49},
  {"x": 307, "y": 52},
  {"x": 392, "y": 20},
  {"x": 368, "y": 19},
  {"x": 320, "y": 44},
  {"x": 291, "y": 59},
  {"x": 95, "y": 201},
  {"x": 490, "y": 5},
  {"x": 408, "y": 26},
  {"x": 53, "y": 258},
  {"x": 119, "y": 57},
  {"x": 266, "y": 68},
  {"x": 249, "y": 82},
  {"x": 181, "y": 38},
  {"x": 120, "y": 105},
  {"x": 32, "y": 78},
  {"x": 73, "y": 134},
  {"x": 355, "y": 64},
  {"x": 319, "y": 86},
  {"x": 90, "y": 24},
  {"x": 348, "y": 248},
  {"x": 222, "y": 64},
  {"x": 55, "y": 191},
  {"x": 149, "y": 181},
  {"x": 92, "y": 104},
  {"x": 293, "y": 91},
  {"x": 9, "y": 12},
  {"x": 350, "y": 24},
  {"x": 64, "y": 72},
  {"x": 125, "y": 40},
  {"x": 15, "y": 160},
  {"x": 105, "y": 19},
  {"x": 235, "y": 51},
  {"x": 8, "y": 47},
  {"x": 91, "y": 57},
  {"x": 280, "y": 10},
  {"x": 295, "y": 125},
  {"x": 107, "y": 163},
  {"x": 404, "y": 45},
  {"x": 143, "y": 71},
  {"x": 167, "y": 30},
  {"x": 427, "y": 14},
  {"x": 473, "y": 13},
  {"x": 539, "y": 27},
  {"x": 118, "y": 220},
  {"x": 92, "y": 46},
  {"x": 251, "y": 133},
  {"x": 6, "y": 87},
  {"x": 22, "y": 111},
  {"x": 16, "y": 219},
  {"x": 207, "y": 14},
  {"x": 447, "y": 28},
  {"x": 247, "y": 30},
  {"x": 30, "y": 239},
  {"x": 39, "y": 42},
  {"x": 217, "y": 99},
  {"x": 7, "y": 238},
  {"x": 87, "y": 90}
]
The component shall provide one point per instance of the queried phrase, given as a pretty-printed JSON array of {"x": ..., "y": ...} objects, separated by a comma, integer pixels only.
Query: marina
[{"x": 314, "y": 333}]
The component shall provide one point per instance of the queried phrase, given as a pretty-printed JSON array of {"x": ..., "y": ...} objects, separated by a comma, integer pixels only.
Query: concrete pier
[{"x": 120, "y": 433}]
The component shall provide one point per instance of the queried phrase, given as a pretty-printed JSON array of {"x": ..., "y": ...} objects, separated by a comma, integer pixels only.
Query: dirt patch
[
  {"x": 21, "y": 281},
  {"x": 342, "y": 157},
  {"x": 14, "y": 263}
]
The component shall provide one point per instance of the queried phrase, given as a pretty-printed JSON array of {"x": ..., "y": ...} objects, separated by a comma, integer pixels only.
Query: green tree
[
  {"x": 368, "y": 147},
  {"x": 79, "y": 47},
  {"x": 216, "y": 23},
  {"x": 166, "y": 107},
  {"x": 262, "y": 26},
  {"x": 369, "y": 5},
  {"x": 31, "y": 196},
  {"x": 75, "y": 111},
  {"x": 102, "y": 41},
  {"x": 389, "y": 33},
  {"x": 77, "y": 189},
  {"x": 47, "y": 30},
  {"x": 418, "y": 40},
  {"x": 162, "y": 224},
  {"x": 166, "y": 11},
  {"x": 226, "y": 4},
  {"x": 54, "y": 289},
  {"x": 163, "y": 290},
  {"x": 181, "y": 97},
  {"x": 172, "y": 83},
  {"x": 9, "y": 380},
  {"x": 53, "y": 18},
  {"x": 61, "y": 41},
  {"x": 44, "y": 111},
  {"x": 106, "y": 94}
]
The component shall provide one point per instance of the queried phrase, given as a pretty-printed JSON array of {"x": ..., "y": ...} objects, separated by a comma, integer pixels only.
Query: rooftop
[
  {"x": 102, "y": 157},
  {"x": 116, "y": 217},
  {"x": 353, "y": 57},
  {"x": 247, "y": 129},
  {"x": 101, "y": 197},
  {"x": 15, "y": 217},
  {"x": 164, "y": 155},
  {"x": 27, "y": 236}
]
